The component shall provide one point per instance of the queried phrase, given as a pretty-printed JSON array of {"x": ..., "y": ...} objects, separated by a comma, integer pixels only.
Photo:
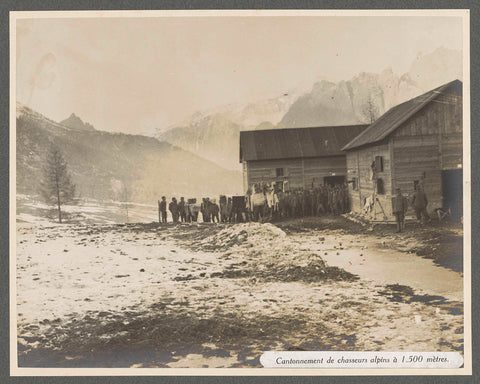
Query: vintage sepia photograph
[{"x": 191, "y": 190}]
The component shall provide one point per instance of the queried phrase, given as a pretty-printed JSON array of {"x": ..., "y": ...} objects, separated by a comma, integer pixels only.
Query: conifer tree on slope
[{"x": 56, "y": 186}]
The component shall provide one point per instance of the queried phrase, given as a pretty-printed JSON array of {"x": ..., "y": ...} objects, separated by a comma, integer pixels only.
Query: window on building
[
  {"x": 378, "y": 164},
  {"x": 380, "y": 187},
  {"x": 279, "y": 172}
]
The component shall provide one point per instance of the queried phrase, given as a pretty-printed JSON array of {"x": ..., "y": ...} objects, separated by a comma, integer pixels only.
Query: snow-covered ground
[
  {"x": 32, "y": 209},
  {"x": 195, "y": 295}
]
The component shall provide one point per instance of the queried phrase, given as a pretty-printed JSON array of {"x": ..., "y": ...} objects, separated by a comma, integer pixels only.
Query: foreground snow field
[{"x": 204, "y": 295}]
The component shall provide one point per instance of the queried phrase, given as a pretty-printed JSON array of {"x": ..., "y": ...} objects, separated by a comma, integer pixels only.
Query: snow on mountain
[
  {"x": 214, "y": 137},
  {"x": 344, "y": 102},
  {"x": 214, "y": 133}
]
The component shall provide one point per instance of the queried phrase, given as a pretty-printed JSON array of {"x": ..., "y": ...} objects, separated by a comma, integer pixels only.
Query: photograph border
[{"x": 468, "y": 178}]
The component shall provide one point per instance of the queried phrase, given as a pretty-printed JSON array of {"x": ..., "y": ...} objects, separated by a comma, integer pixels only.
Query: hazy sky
[{"x": 137, "y": 74}]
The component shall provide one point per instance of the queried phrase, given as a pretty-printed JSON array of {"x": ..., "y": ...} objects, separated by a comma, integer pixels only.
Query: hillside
[{"x": 101, "y": 163}]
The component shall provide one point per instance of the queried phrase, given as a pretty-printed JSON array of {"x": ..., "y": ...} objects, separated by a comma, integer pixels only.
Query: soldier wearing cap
[
  {"x": 182, "y": 210},
  {"x": 399, "y": 208},
  {"x": 162, "y": 210},
  {"x": 173, "y": 208}
]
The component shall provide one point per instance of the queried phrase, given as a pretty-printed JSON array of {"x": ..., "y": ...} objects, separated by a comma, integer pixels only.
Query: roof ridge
[{"x": 312, "y": 127}]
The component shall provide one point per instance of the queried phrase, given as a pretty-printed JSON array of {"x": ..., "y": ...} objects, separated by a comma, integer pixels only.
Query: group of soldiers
[
  {"x": 262, "y": 202},
  {"x": 323, "y": 200},
  {"x": 418, "y": 201},
  {"x": 188, "y": 211}
]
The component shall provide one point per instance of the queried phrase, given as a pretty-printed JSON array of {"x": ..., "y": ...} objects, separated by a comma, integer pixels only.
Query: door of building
[
  {"x": 333, "y": 180},
  {"x": 452, "y": 190}
]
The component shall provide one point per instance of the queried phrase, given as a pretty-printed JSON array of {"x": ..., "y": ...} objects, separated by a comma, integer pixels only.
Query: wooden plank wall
[
  {"x": 426, "y": 144},
  {"x": 449, "y": 107},
  {"x": 429, "y": 142},
  {"x": 359, "y": 164},
  {"x": 318, "y": 168},
  {"x": 245, "y": 176},
  {"x": 414, "y": 158},
  {"x": 352, "y": 172},
  {"x": 300, "y": 173}
]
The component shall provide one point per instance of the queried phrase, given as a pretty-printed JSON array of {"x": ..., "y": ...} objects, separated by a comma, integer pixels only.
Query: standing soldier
[
  {"x": 173, "y": 208},
  {"x": 192, "y": 210},
  {"x": 325, "y": 198},
  {"x": 346, "y": 201},
  {"x": 223, "y": 208},
  {"x": 203, "y": 209},
  {"x": 208, "y": 209},
  {"x": 330, "y": 199},
  {"x": 215, "y": 209},
  {"x": 182, "y": 210},
  {"x": 399, "y": 208},
  {"x": 229, "y": 210},
  {"x": 162, "y": 210},
  {"x": 335, "y": 200},
  {"x": 420, "y": 202},
  {"x": 304, "y": 203},
  {"x": 313, "y": 202},
  {"x": 341, "y": 199}
]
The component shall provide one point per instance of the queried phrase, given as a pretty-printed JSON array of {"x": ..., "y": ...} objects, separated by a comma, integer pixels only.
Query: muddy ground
[{"x": 206, "y": 295}]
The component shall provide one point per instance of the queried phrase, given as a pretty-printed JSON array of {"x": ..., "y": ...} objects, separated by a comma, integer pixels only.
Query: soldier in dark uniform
[
  {"x": 215, "y": 209},
  {"x": 335, "y": 200},
  {"x": 229, "y": 210},
  {"x": 173, "y": 208},
  {"x": 203, "y": 209},
  {"x": 182, "y": 210},
  {"x": 346, "y": 201},
  {"x": 162, "y": 210},
  {"x": 208, "y": 209},
  {"x": 330, "y": 199},
  {"x": 420, "y": 202}
]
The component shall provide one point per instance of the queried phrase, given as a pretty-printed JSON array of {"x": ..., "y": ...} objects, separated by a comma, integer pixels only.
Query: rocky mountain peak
[{"x": 76, "y": 122}]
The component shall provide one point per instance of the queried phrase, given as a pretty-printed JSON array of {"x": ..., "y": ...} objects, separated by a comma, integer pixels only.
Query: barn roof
[
  {"x": 287, "y": 143},
  {"x": 395, "y": 117}
]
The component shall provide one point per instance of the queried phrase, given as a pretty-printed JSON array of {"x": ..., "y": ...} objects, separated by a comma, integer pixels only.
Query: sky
[{"x": 136, "y": 75}]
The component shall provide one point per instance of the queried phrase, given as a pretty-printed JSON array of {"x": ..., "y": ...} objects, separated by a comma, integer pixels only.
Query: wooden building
[
  {"x": 419, "y": 141},
  {"x": 296, "y": 158}
]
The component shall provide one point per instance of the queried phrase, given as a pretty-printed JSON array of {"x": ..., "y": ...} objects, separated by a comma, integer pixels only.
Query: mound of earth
[{"x": 243, "y": 234}]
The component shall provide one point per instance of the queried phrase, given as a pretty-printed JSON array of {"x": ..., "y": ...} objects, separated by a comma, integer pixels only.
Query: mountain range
[
  {"x": 214, "y": 134},
  {"x": 200, "y": 156},
  {"x": 103, "y": 164}
]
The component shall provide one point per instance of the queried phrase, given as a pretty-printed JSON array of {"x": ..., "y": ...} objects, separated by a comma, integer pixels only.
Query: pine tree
[
  {"x": 56, "y": 186},
  {"x": 370, "y": 111}
]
